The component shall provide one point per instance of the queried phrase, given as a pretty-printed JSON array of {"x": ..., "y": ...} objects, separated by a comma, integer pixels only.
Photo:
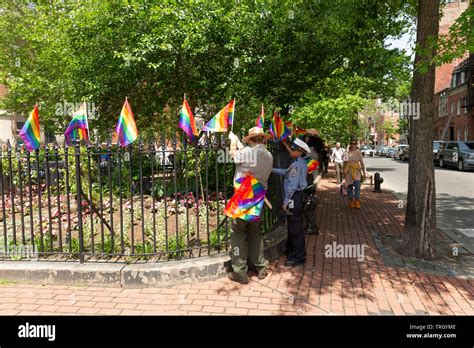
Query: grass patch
[{"x": 7, "y": 282}]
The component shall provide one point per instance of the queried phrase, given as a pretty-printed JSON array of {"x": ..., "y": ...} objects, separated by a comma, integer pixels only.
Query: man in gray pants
[
  {"x": 336, "y": 158},
  {"x": 246, "y": 239}
]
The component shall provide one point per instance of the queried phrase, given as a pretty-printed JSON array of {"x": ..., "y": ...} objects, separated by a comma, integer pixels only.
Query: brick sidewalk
[{"x": 323, "y": 286}]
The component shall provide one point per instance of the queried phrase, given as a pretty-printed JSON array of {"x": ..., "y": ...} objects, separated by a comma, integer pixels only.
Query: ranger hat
[{"x": 300, "y": 145}]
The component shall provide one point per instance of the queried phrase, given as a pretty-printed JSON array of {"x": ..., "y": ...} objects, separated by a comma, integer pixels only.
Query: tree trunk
[{"x": 420, "y": 221}]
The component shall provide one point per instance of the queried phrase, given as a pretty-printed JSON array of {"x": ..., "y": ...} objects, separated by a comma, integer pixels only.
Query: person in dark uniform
[{"x": 294, "y": 184}]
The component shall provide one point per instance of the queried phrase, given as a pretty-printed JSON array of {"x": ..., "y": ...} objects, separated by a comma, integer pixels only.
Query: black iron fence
[{"x": 153, "y": 200}]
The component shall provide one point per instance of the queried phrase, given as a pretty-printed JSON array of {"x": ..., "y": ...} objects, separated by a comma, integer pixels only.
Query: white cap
[{"x": 299, "y": 144}]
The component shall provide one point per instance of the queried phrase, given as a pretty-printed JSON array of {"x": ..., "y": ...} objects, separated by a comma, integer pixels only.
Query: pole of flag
[{"x": 233, "y": 118}]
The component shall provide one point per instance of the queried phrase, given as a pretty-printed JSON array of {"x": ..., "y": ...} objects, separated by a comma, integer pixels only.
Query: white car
[
  {"x": 399, "y": 151},
  {"x": 367, "y": 150}
]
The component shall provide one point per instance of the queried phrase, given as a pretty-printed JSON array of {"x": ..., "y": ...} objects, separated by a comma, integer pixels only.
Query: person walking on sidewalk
[
  {"x": 246, "y": 238},
  {"x": 294, "y": 184},
  {"x": 353, "y": 169},
  {"x": 337, "y": 159}
]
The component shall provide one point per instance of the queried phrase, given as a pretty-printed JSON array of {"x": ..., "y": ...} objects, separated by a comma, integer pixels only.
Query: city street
[{"x": 454, "y": 195}]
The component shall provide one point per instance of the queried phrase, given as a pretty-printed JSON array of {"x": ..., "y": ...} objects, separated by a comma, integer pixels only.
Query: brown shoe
[
  {"x": 236, "y": 278},
  {"x": 357, "y": 204},
  {"x": 352, "y": 204},
  {"x": 262, "y": 274}
]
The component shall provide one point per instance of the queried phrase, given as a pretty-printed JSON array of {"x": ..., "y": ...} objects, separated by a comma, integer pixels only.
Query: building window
[
  {"x": 443, "y": 105},
  {"x": 465, "y": 105},
  {"x": 458, "y": 111},
  {"x": 459, "y": 134},
  {"x": 452, "y": 108},
  {"x": 463, "y": 77},
  {"x": 466, "y": 133}
]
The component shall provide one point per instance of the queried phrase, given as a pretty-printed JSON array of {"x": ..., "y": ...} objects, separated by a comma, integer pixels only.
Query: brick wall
[
  {"x": 450, "y": 13},
  {"x": 461, "y": 121}
]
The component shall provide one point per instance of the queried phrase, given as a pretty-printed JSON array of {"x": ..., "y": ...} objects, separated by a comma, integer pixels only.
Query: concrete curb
[{"x": 159, "y": 274}]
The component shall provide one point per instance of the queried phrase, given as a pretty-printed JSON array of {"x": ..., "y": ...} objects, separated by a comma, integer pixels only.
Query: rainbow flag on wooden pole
[
  {"x": 187, "y": 122},
  {"x": 126, "y": 127},
  {"x": 30, "y": 132},
  {"x": 261, "y": 119},
  {"x": 78, "y": 129},
  {"x": 221, "y": 121}
]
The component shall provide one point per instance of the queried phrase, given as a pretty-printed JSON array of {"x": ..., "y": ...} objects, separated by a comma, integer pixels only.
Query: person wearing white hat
[
  {"x": 246, "y": 238},
  {"x": 294, "y": 184}
]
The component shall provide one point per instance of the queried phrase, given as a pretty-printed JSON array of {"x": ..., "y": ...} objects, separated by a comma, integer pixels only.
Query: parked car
[
  {"x": 367, "y": 150},
  {"x": 379, "y": 150},
  {"x": 438, "y": 145},
  {"x": 391, "y": 151},
  {"x": 399, "y": 150},
  {"x": 405, "y": 153},
  {"x": 457, "y": 153},
  {"x": 384, "y": 152}
]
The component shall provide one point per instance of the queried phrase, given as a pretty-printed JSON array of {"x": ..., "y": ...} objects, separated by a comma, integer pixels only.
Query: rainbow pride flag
[
  {"x": 222, "y": 120},
  {"x": 187, "y": 122},
  {"x": 126, "y": 127},
  {"x": 247, "y": 201},
  {"x": 261, "y": 119},
  {"x": 78, "y": 129},
  {"x": 30, "y": 133},
  {"x": 312, "y": 165},
  {"x": 278, "y": 128}
]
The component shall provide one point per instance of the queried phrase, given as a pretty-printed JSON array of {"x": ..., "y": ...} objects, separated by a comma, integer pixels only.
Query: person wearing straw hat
[
  {"x": 353, "y": 169},
  {"x": 294, "y": 184},
  {"x": 246, "y": 238}
]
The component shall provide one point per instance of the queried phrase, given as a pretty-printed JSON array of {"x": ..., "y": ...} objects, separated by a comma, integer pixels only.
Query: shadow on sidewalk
[{"x": 356, "y": 284}]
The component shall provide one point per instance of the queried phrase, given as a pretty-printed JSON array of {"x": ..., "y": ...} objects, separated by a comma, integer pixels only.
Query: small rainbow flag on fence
[
  {"x": 222, "y": 120},
  {"x": 78, "y": 129},
  {"x": 187, "y": 122},
  {"x": 278, "y": 128},
  {"x": 126, "y": 127},
  {"x": 247, "y": 201},
  {"x": 261, "y": 119},
  {"x": 30, "y": 133}
]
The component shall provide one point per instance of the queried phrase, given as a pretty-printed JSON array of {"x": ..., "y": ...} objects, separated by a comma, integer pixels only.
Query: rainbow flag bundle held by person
[
  {"x": 312, "y": 165},
  {"x": 30, "y": 132},
  {"x": 261, "y": 119},
  {"x": 278, "y": 128},
  {"x": 126, "y": 127},
  {"x": 247, "y": 201},
  {"x": 222, "y": 120},
  {"x": 187, "y": 122},
  {"x": 78, "y": 129}
]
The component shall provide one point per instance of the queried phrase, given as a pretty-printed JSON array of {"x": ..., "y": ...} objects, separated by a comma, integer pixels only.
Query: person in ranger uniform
[
  {"x": 294, "y": 184},
  {"x": 246, "y": 238}
]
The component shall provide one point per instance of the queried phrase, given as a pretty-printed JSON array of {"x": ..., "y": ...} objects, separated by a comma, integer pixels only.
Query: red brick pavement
[{"x": 324, "y": 286}]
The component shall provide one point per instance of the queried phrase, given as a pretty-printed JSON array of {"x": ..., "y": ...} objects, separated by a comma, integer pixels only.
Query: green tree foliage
[
  {"x": 389, "y": 129},
  {"x": 275, "y": 52}
]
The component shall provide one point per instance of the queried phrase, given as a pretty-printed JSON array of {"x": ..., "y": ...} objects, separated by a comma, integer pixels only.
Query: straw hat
[
  {"x": 312, "y": 131},
  {"x": 256, "y": 132}
]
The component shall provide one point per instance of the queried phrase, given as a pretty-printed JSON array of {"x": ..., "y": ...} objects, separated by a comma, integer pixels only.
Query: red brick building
[
  {"x": 454, "y": 112},
  {"x": 454, "y": 105}
]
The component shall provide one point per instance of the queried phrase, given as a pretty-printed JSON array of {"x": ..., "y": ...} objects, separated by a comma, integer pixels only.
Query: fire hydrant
[{"x": 377, "y": 181}]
